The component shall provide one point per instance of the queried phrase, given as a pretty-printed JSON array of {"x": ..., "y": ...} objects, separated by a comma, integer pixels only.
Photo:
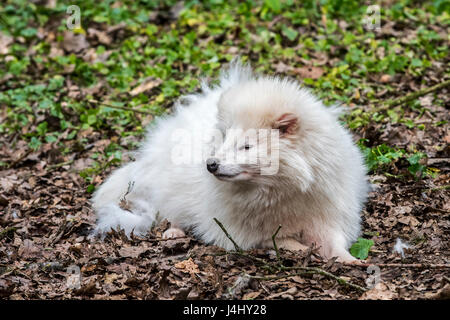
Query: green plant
[{"x": 360, "y": 249}]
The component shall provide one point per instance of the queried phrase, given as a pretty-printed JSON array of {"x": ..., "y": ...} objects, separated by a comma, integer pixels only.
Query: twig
[
  {"x": 283, "y": 276},
  {"x": 14, "y": 163},
  {"x": 329, "y": 275},
  {"x": 403, "y": 265},
  {"x": 275, "y": 244},
  {"x": 166, "y": 239},
  {"x": 236, "y": 246},
  {"x": 122, "y": 108},
  {"x": 395, "y": 102},
  {"x": 58, "y": 165},
  {"x": 446, "y": 187}
]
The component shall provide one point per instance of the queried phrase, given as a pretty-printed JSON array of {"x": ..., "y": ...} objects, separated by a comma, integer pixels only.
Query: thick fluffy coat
[{"x": 316, "y": 194}]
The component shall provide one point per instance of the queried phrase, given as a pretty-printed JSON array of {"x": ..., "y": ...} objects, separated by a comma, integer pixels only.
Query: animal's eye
[{"x": 247, "y": 147}]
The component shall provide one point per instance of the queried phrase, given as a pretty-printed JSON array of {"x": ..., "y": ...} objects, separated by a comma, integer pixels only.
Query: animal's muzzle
[{"x": 212, "y": 164}]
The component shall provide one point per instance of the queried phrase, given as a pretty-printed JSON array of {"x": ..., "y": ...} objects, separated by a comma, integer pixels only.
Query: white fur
[
  {"x": 316, "y": 196},
  {"x": 400, "y": 247}
]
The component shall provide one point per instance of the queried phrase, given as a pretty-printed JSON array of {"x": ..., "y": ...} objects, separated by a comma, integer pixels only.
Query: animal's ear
[{"x": 287, "y": 124}]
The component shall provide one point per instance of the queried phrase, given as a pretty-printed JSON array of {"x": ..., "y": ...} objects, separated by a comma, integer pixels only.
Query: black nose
[{"x": 212, "y": 164}]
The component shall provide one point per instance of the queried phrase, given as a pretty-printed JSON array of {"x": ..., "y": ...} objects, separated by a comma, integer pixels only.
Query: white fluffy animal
[{"x": 311, "y": 181}]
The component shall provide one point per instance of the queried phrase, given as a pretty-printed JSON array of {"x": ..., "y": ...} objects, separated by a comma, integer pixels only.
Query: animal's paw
[
  {"x": 348, "y": 259},
  {"x": 342, "y": 255},
  {"x": 355, "y": 262},
  {"x": 173, "y": 233}
]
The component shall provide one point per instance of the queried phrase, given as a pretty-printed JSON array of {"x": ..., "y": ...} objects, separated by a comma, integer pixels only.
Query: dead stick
[
  {"x": 166, "y": 239},
  {"x": 395, "y": 102},
  {"x": 18, "y": 160},
  {"x": 402, "y": 265},
  {"x": 58, "y": 165},
  {"x": 326, "y": 274},
  {"x": 283, "y": 276}
]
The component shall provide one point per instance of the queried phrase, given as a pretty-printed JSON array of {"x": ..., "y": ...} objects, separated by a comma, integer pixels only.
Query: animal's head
[{"x": 262, "y": 124}]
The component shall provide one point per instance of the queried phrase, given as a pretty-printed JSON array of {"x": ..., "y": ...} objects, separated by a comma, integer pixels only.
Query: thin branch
[
  {"x": 275, "y": 244},
  {"x": 122, "y": 108},
  {"x": 236, "y": 246},
  {"x": 445, "y": 187},
  {"x": 402, "y": 265},
  {"x": 59, "y": 165},
  {"x": 22, "y": 157},
  {"x": 283, "y": 276},
  {"x": 166, "y": 239},
  {"x": 414, "y": 95},
  {"x": 327, "y": 274}
]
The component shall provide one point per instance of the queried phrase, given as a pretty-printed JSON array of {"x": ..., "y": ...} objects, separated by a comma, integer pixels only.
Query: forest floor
[{"x": 57, "y": 144}]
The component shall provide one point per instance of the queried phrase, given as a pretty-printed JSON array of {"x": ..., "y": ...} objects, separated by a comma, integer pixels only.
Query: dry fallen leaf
[
  {"x": 101, "y": 36},
  {"x": 148, "y": 84},
  {"x": 281, "y": 67},
  {"x": 5, "y": 41},
  {"x": 187, "y": 266},
  {"x": 380, "y": 292},
  {"x": 111, "y": 277},
  {"x": 251, "y": 295},
  {"x": 6, "y": 184},
  {"x": 408, "y": 220},
  {"x": 309, "y": 72},
  {"x": 131, "y": 252},
  {"x": 74, "y": 42},
  {"x": 443, "y": 294}
]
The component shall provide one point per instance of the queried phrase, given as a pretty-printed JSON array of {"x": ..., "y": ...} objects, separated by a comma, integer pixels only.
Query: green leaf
[
  {"x": 274, "y": 5},
  {"x": 290, "y": 33},
  {"x": 41, "y": 129},
  {"x": 393, "y": 115},
  {"x": 35, "y": 143},
  {"x": 415, "y": 158},
  {"x": 29, "y": 32},
  {"x": 90, "y": 188},
  {"x": 360, "y": 249},
  {"x": 416, "y": 62},
  {"x": 56, "y": 82},
  {"x": 91, "y": 119},
  {"x": 45, "y": 104}
]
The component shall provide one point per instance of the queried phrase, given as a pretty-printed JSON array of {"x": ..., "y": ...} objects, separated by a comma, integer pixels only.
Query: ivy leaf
[
  {"x": 90, "y": 188},
  {"x": 360, "y": 249},
  {"x": 34, "y": 143},
  {"x": 274, "y": 5},
  {"x": 290, "y": 33}
]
